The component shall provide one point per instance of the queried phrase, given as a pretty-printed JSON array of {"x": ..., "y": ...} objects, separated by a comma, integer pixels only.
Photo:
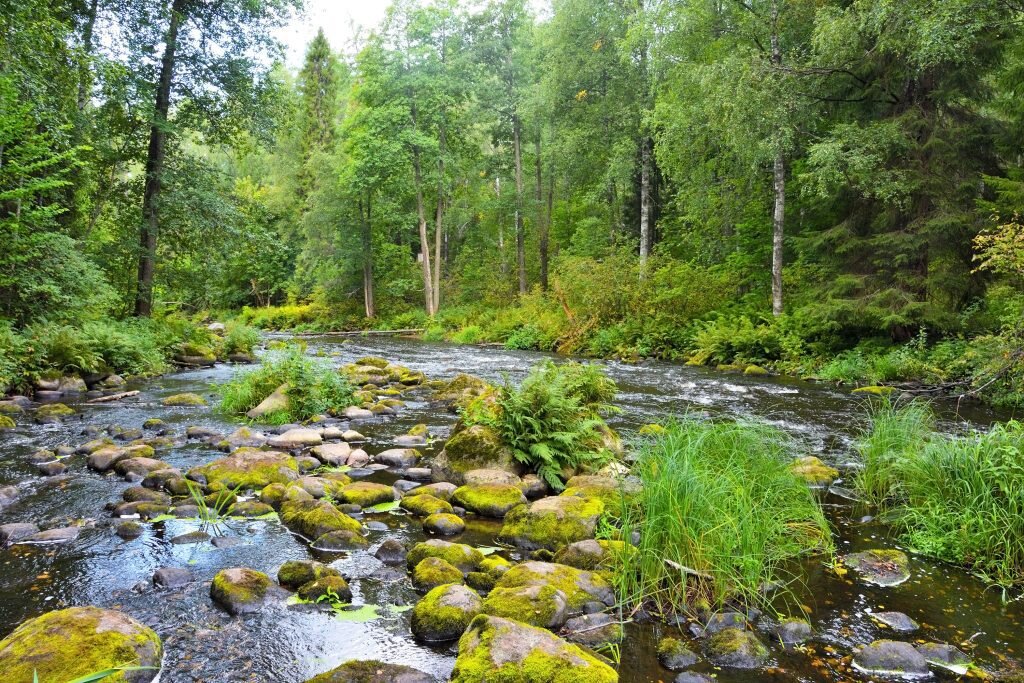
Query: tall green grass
[
  {"x": 955, "y": 498},
  {"x": 719, "y": 517}
]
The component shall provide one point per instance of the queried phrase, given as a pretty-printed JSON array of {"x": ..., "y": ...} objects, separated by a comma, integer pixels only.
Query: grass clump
[
  {"x": 553, "y": 421},
  {"x": 313, "y": 388},
  {"x": 720, "y": 515},
  {"x": 954, "y": 498}
]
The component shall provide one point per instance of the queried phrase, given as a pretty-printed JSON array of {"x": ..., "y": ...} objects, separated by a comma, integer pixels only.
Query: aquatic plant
[
  {"x": 896, "y": 430},
  {"x": 719, "y": 517}
]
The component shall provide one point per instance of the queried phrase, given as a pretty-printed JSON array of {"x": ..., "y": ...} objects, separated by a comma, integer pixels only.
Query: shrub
[
  {"x": 473, "y": 334},
  {"x": 719, "y": 516},
  {"x": 313, "y": 388},
  {"x": 239, "y": 338}
]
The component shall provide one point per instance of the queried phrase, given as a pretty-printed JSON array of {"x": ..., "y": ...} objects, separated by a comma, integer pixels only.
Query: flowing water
[{"x": 290, "y": 643}]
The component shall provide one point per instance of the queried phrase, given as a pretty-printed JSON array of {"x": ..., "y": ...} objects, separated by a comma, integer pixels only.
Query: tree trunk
[
  {"x": 645, "y": 201},
  {"x": 155, "y": 167},
  {"x": 520, "y": 231},
  {"x": 85, "y": 73},
  {"x": 439, "y": 218},
  {"x": 541, "y": 227},
  {"x": 546, "y": 231},
  {"x": 779, "y": 214},
  {"x": 428, "y": 282},
  {"x": 503, "y": 262},
  {"x": 368, "y": 301}
]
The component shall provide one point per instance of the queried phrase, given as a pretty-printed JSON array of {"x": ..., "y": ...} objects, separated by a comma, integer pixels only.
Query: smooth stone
[
  {"x": 371, "y": 671},
  {"x": 296, "y": 438},
  {"x": 53, "y": 536},
  {"x": 129, "y": 530},
  {"x": 16, "y": 531},
  {"x": 391, "y": 552},
  {"x": 410, "y": 441},
  {"x": 352, "y": 436},
  {"x": 593, "y": 630},
  {"x": 334, "y": 454},
  {"x": 171, "y": 577},
  {"x": 881, "y": 567},
  {"x": 674, "y": 655},
  {"x": 689, "y": 677},
  {"x": 945, "y": 657},
  {"x": 724, "y": 620},
  {"x": 191, "y": 537},
  {"x": 890, "y": 658},
  {"x": 240, "y": 590},
  {"x": 442, "y": 524},
  {"x": 223, "y": 542},
  {"x": 793, "y": 631},
  {"x": 404, "y": 485},
  {"x": 897, "y": 621},
  {"x": 398, "y": 457},
  {"x": 738, "y": 649},
  {"x": 52, "y": 468}
]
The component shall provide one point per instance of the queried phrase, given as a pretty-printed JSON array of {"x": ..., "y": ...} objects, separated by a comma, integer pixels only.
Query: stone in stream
[
  {"x": 442, "y": 490},
  {"x": 608, "y": 490},
  {"x": 191, "y": 538},
  {"x": 580, "y": 587},
  {"x": 897, "y": 621},
  {"x": 321, "y": 488},
  {"x": 533, "y": 487},
  {"x": 403, "y": 486},
  {"x": 880, "y": 567},
  {"x": 182, "y": 400},
  {"x": 250, "y": 509},
  {"x": 497, "y": 649},
  {"x": 593, "y": 630},
  {"x": 410, "y": 440},
  {"x": 473, "y": 448},
  {"x": 52, "y": 468},
  {"x": 723, "y": 620},
  {"x": 240, "y": 590},
  {"x": 425, "y": 505},
  {"x": 52, "y": 413},
  {"x": 78, "y": 641},
  {"x": 138, "y": 494},
  {"x": 890, "y": 658},
  {"x": 444, "y": 524},
  {"x": 140, "y": 468},
  {"x": 592, "y": 554},
  {"x": 552, "y": 522},
  {"x": 129, "y": 530},
  {"x": 793, "y": 631},
  {"x": 538, "y": 605},
  {"x": 674, "y": 655},
  {"x": 6, "y": 423},
  {"x": 945, "y": 656},
  {"x": 93, "y": 446},
  {"x": 338, "y": 541},
  {"x": 420, "y": 474},
  {"x": 16, "y": 531},
  {"x": 813, "y": 471},
  {"x": 354, "y": 413},
  {"x": 306, "y": 463},
  {"x": 490, "y": 476},
  {"x": 352, "y": 436},
  {"x": 294, "y": 439},
  {"x": 224, "y": 542},
  {"x": 367, "y": 494},
  {"x": 53, "y": 536},
  {"x": 736, "y": 648},
  {"x": 243, "y": 437},
  {"x": 312, "y": 519},
  {"x": 400, "y": 458},
  {"x": 391, "y": 552},
  {"x": 371, "y": 671},
  {"x": 689, "y": 677},
  {"x": 199, "y": 432},
  {"x": 276, "y": 402},
  {"x": 107, "y": 457},
  {"x": 295, "y": 573},
  {"x": 463, "y": 557},
  {"x": 41, "y": 456},
  {"x": 8, "y": 495},
  {"x": 332, "y": 587},
  {"x": 445, "y": 612},
  {"x": 489, "y": 500},
  {"x": 333, "y": 454},
  {"x": 171, "y": 577},
  {"x": 433, "y": 572},
  {"x": 247, "y": 468}
]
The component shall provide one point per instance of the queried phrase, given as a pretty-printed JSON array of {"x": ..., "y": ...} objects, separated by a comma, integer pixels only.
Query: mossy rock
[
  {"x": 473, "y": 448},
  {"x": 594, "y": 630},
  {"x": 652, "y": 430},
  {"x": 813, "y": 471},
  {"x": 10, "y": 408},
  {"x": 371, "y": 671},
  {"x": 373, "y": 362},
  {"x": 461, "y": 391},
  {"x": 540, "y": 605},
  {"x": 425, "y": 505},
  {"x": 552, "y": 522},
  {"x": 250, "y": 509},
  {"x": 495, "y": 565},
  {"x": 736, "y": 648},
  {"x": 755, "y": 371},
  {"x": 874, "y": 390},
  {"x": 295, "y": 573},
  {"x": 489, "y": 500},
  {"x": 248, "y": 468},
  {"x": 890, "y": 658},
  {"x": 880, "y": 567},
  {"x": 6, "y": 423},
  {"x": 72, "y": 643},
  {"x": 442, "y": 490},
  {"x": 332, "y": 588},
  {"x": 418, "y": 430},
  {"x": 580, "y": 587},
  {"x": 465, "y": 558},
  {"x": 444, "y": 524},
  {"x": 53, "y": 411},
  {"x": 495, "y": 650},
  {"x": 314, "y": 518},
  {"x": 341, "y": 540},
  {"x": 187, "y": 399},
  {"x": 674, "y": 655},
  {"x": 367, "y": 494},
  {"x": 593, "y": 554},
  {"x": 433, "y": 572},
  {"x": 240, "y": 590},
  {"x": 445, "y": 612}
]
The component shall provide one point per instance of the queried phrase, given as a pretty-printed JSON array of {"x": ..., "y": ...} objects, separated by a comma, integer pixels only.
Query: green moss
[
  {"x": 593, "y": 554},
  {"x": 444, "y": 524},
  {"x": 814, "y": 471},
  {"x": 239, "y": 589},
  {"x": 481, "y": 581},
  {"x": 51, "y": 410},
  {"x": 332, "y": 588},
  {"x": 549, "y": 660},
  {"x": 731, "y": 644},
  {"x": 249, "y": 468},
  {"x": 6, "y": 422},
  {"x": 371, "y": 671},
  {"x": 295, "y": 573},
  {"x": 464, "y": 557},
  {"x": 425, "y": 505},
  {"x": 71, "y": 643},
  {"x": 533, "y": 605},
  {"x": 652, "y": 430},
  {"x": 314, "y": 518},
  {"x": 186, "y": 399},
  {"x": 611, "y": 496},
  {"x": 549, "y": 524},
  {"x": 433, "y": 572},
  {"x": 373, "y": 362},
  {"x": 444, "y": 613},
  {"x": 874, "y": 390},
  {"x": 473, "y": 448},
  {"x": 495, "y": 565},
  {"x": 10, "y": 408},
  {"x": 489, "y": 500},
  {"x": 579, "y": 587},
  {"x": 418, "y": 430},
  {"x": 366, "y": 494},
  {"x": 755, "y": 370}
]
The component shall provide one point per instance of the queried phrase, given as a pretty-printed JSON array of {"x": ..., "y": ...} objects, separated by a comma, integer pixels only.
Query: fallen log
[{"x": 114, "y": 397}]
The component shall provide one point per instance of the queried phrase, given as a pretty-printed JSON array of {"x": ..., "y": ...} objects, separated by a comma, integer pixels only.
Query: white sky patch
[{"x": 345, "y": 22}]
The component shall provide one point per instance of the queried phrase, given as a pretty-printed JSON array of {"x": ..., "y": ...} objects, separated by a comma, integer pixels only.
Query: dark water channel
[{"x": 290, "y": 643}]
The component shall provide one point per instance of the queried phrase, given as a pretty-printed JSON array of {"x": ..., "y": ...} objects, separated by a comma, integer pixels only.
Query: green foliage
[
  {"x": 720, "y": 515},
  {"x": 552, "y": 421},
  {"x": 955, "y": 498},
  {"x": 313, "y": 388}
]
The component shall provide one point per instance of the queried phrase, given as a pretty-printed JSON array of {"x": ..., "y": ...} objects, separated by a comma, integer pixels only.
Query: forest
[{"x": 826, "y": 189}]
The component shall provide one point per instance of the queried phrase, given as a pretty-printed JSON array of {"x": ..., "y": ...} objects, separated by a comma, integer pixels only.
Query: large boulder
[
  {"x": 880, "y": 567},
  {"x": 593, "y": 554},
  {"x": 425, "y": 505},
  {"x": 78, "y": 641},
  {"x": 371, "y": 671},
  {"x": 295, "y": 439},
  {"x": 552, "y": 522},
  {"x": 497, "y": 649},
  {"x": 539, "y": 605},
  {"x": 890, "y": 658},
  {"x": 463, "y": 557},
  {"x": 400, "y": 458},
  {"x": 239, "y": 590},
  {"x": 248, "y": 468},
  {"x": 489, "y": 500},
  {"x": 333, "y": 454},
  {"x": 461, "y": 390},
  {"x": 445, "y": 612},
  {"x": 277, "y": 402},
  {"x": 473, "y": 448},
  {"x": 314, "y": 518},
  {"x": 736, "y": 648},
  {"x": 433, "y": 572},
  {"x": 367, "y": 494},
  {"x": 579, "y": 587}
]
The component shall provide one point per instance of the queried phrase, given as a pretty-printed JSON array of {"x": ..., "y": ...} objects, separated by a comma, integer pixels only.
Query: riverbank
[{"x": 988, "y": 368}]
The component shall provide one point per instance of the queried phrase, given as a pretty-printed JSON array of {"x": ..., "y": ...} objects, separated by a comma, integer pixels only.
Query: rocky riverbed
[{"x": 254, "y": 554}]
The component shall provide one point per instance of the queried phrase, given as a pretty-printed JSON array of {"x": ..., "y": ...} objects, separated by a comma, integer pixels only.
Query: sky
[{"x": 341, "y": 21}]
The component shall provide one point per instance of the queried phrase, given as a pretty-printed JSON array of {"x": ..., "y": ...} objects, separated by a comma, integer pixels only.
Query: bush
[
  {"x": 313, "y": 388},
  {"x": 239, "y": 338},
  {"x": 553, "y": 421},
  {"x": 955, "y": 498},
  {"x": 719, "y": 516}
]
